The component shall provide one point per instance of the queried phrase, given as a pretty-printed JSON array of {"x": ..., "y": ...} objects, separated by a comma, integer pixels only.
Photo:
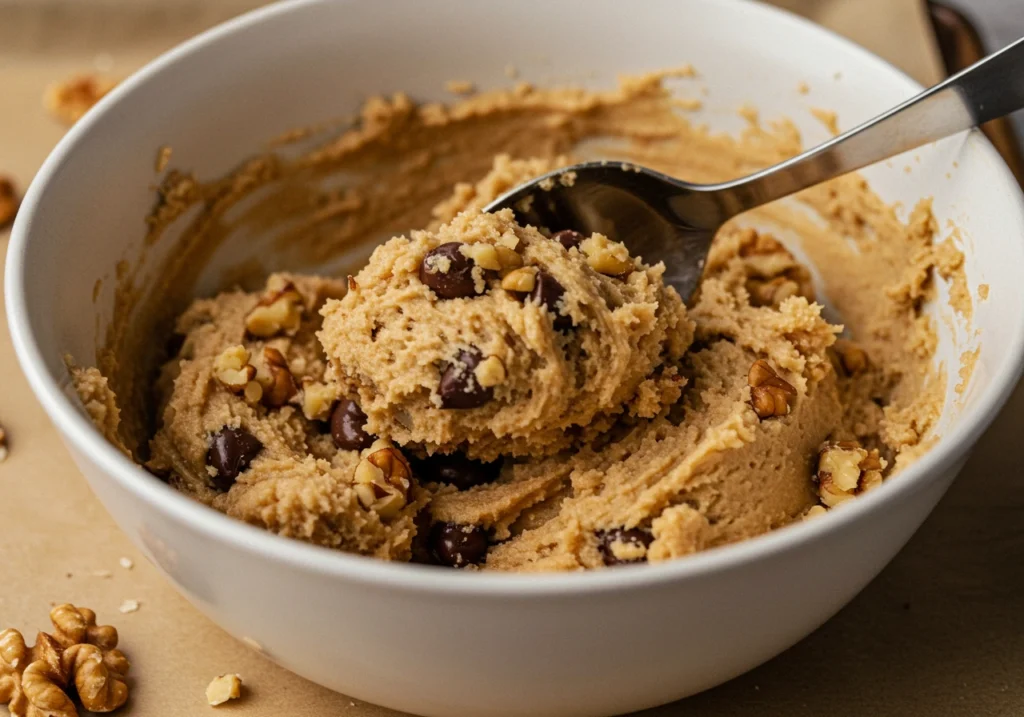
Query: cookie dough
[
  {"x": 482, "y": 394},
  {"x": 493, "y": 339}
]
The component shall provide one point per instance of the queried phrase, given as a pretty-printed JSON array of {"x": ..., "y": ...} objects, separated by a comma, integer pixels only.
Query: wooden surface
[{"x": 940, "y": 632}]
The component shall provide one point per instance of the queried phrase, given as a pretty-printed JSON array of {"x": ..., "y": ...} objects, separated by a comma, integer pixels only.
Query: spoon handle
[{"x": 988, "y": 89}]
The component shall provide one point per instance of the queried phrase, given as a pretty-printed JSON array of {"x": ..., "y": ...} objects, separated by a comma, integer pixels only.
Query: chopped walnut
[
  {"x": 8, "y": 202},
  {"x": 253, "y": 392},
  {"x": 770, "y": 395},
  {"x": 72, "y": 98},
  {"x": 318, "y": 399},
  {"x": 521, "y": 280},
  {"x": 276, "y": 378},
  {"x": 490, "y": 372},
  {"x": 773, "y": 274},
  {"x": 852, "y": 358},
  {"x": 279, "y": 311},
  {"x": 814, "y": 511},
  {"x": 508, "y": 258},
  {"x": 845, "y": 470},
  {"x": 771, "y": 292},
  {"x": 233, "y": 370},
  {"x": 3, "y": 444},
  {"x": 606, "y": 256},
  {"x": 483, "y": 255},
  {"x": 222, "y": 689},
  {"x": 383, "y": 480}
]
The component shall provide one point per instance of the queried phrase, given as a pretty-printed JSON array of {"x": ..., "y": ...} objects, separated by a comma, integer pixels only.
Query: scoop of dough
[{"x": 491, "y": 338}]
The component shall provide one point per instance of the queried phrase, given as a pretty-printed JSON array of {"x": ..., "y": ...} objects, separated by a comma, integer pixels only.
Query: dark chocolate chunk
[
  {"x": 420, "y": 547},
  {"x": 457, "y": 545},
  {"x": 448, "y": 272},
  {"x": 231, "y": 452},
  {"x": 348, "y": 423},
  {"x": 459, "y": 387},
  {"x": 455, "y": 469},
  {"x": 634, "y": 536},
  {"x": 568, "y": 238},
  {"x": 548, "y": 293}
]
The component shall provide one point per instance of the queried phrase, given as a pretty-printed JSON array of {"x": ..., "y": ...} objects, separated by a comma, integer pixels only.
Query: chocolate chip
[
  {"x": 455, "y": 469},
  {"x": 231, "y": 452},
  {"x": 548, "y": 293},
  {"x": 457, "y": 545},
  {"x": 633, "y": 536},
  {"x": 420, "y": 546},
  {"x": 568, "y": 238},
  {"x": 348, "y": 423},
  {"x": 459, "y": 387},
  {"x": 448, "y": 271}
]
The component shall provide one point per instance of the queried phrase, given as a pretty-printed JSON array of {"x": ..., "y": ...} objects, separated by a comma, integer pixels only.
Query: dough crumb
[
  {"x": 68, "y": 100},
  {"x": 968, "y": 360},
  {"x": 828, "y": 118},
  {"x": 163, "y": 156},
  {"x": 129, "y": 606},
  {"x": 9, "y": 202},
  {"x": 460, "y": 87}
]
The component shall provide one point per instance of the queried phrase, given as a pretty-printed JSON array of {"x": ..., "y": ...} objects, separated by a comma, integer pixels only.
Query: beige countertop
[{"x": 941, "y": 631}]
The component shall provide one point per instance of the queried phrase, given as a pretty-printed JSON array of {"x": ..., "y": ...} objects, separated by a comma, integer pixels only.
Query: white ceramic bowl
[{"x": 440, "y": 642}]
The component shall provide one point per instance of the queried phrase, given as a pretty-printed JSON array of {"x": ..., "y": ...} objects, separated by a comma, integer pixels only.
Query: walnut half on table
[{"x": 80, "y": 657}]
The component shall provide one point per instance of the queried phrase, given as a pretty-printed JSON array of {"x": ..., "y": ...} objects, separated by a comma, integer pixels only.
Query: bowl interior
[{"x": 301, "y": 63}]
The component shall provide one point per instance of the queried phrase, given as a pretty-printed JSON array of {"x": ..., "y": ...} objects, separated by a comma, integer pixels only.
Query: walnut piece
[
  {"x": 98, "y": 676},
  {"x": 814, "y": 511},
  {"x": 508, "y": 258},
  {"x": 233, "y": 370},
  {"x": 770, "y": 395},
  {"x": 13, "y": 659},
  {"x": 72, "y": 98},
  {"x": 276, "y": 378},
  {"x": 483, "y": 255},
  {"x": 852, "y": 358},
  {"x": 8, "y": 202},
  {"x": 606, "y": 256},
  {"x": 771, "y": 292},
  {"x": 3, "y": 445},
  {"x": 318, "y": 399},
  {"x": 35, "y": 682},
  {"x": 490, "y": 372},
  {"x": 383, "y": 480},
  {"x": 845, "y": 470},
  {"x": 73, "y": 625},
  {"x": 773, "y": 273},
  {"x": 222, "y": 689},
  {"x": 279, "y": 311},
  {"x": 521, "y": 280},
  {"x": 42, "y": 694}
]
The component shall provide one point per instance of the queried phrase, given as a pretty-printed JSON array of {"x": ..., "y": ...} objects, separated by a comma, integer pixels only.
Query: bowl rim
[{"x": 83, "y": 436}]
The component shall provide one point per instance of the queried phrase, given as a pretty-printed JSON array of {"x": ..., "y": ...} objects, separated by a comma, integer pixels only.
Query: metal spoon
[{"x": 664, "y": 219}]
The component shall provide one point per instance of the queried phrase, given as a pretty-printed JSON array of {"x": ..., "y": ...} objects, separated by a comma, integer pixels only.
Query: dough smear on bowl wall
[{"x": 488, "y": 395}]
